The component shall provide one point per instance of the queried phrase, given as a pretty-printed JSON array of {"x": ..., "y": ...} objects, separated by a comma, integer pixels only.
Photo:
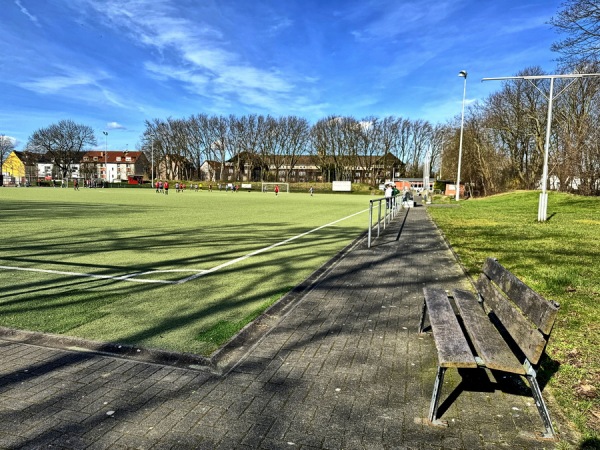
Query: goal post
[{"x": 270, "y": 187}]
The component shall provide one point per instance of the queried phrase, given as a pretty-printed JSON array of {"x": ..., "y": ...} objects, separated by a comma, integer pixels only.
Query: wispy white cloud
[
  {"x": 280, "y": 24},
  {"x": 55, "y": 83},
  {"x": 115, "y": 126},
  {"x": 10, "y": 139},
  {"x": 25, "y": 11},
  {"x": 390, "y": 19},
  {"x": 166, "y": 71},
  {"x": 74, "y": 83},
  {"x": 195, "y": 53}
]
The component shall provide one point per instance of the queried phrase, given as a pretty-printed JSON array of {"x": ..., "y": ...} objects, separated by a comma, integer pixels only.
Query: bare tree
[
  {"x": 220, "y": 147},
  {"x": 390, "y": 142},
  {"x": 334, "y": 142},
  {"x": 576, "y": 160},
  {"x": 272, "y": 146},
  {"x": 485, "y": 168},
  {"x": 64, "y": 142},
  {"x": 440, "y": 139},
  {"x": 350, "y": 143},
  {"x": 419, "y": 138},
  {"x": 245, "y": 139},
  {"x": 295, "y": 141},
  {"x": 183, "y": 149},
  {"x": 518, "y": 112},
  {"x": 580, "y": 21},
  {"x": 370, "y": 145},
  {"x": 6, "y": 147},
  {"x": 201, "y": 141}
]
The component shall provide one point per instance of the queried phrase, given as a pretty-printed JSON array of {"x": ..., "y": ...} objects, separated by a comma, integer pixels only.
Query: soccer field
[{"x": 179, "y": 272}]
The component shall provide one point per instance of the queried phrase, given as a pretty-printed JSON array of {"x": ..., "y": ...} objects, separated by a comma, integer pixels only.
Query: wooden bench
[{"x": 504, "y": 327}]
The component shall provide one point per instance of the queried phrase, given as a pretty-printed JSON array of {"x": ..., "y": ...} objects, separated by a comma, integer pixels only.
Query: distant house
[
  {"x": 113, "y": 166},
  {"x": 307, "y": 168},
  {"x": 21, "y": 168},
  {"x": 175, "y": 167},
  {"x": 304, "y": 170},
  {"x": 210, "y": 170},
  {"x": 413, "y": 184},
  {"x": 45, "y": 168},
  {"x": 13, "y": 169}
]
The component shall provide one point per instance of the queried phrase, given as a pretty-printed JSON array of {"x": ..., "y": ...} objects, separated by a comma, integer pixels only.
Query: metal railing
[{"x": 389, "y": 209}]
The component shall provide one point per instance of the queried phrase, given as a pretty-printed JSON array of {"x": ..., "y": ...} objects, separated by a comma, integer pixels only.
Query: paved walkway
[{"x": 342, "y": 368}]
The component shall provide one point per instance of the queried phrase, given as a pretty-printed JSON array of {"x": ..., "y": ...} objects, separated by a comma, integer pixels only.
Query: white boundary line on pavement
[{"x": 198, "y": 273}]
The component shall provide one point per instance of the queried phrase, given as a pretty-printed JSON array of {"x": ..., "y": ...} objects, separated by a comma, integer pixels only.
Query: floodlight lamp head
[
  {"x": 105, "y": 133},
  {"x": 462, "y": 73}
]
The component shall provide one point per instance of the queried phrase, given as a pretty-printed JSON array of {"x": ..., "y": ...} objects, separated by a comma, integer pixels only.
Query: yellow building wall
[{"x": 13, "y": 166}]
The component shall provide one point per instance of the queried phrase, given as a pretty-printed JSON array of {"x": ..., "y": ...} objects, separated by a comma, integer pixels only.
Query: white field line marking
[
  {"x": 256, "y": 252},
  {"x": 131, "y": 277},
  {"x": 104, "y": 277},
  {"x": 28, "y": 209}
]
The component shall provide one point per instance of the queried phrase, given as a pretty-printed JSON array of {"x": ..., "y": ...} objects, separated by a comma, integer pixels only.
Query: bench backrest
[{"x": 526, "y": 315}]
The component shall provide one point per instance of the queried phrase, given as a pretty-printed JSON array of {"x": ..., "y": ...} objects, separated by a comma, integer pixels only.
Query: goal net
[{"x": 270, "y": 187}]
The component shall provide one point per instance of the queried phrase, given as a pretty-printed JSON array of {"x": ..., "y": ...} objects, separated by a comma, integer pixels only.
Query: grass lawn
[
  {"x": 558, "y": 258},
  {"x": 138, "y": 246}
]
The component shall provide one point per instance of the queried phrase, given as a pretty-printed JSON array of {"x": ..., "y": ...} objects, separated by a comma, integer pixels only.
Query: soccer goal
[{"x": 270, "y": 187}]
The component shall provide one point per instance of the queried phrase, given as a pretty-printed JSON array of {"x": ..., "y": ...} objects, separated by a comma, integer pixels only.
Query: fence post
[
  {"x": 370, "y": 222},
  {"x": 378, "y": 216}
]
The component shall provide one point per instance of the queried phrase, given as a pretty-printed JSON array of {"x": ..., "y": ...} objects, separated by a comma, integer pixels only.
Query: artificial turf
[{"x": 114, "y": 234}]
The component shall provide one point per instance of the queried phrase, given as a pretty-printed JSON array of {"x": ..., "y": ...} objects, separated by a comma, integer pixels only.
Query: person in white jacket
[{"x": 388, "y": 195}]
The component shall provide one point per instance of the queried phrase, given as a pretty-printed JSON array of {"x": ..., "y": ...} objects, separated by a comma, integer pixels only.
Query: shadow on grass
[{"x": 58, "y": 306}]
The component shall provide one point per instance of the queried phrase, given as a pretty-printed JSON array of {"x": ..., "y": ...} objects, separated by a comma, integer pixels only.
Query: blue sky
[{"x": 112, "y": 64}]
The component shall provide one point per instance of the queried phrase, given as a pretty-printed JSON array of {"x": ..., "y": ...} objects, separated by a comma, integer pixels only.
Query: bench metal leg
[
  {"x": 541, "y": 406},
  {"x": 435, "y": 398},
  {"x": 422, "y": 321}
]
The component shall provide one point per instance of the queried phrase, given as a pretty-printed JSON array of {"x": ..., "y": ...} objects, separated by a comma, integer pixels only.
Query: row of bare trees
[
  {"x": 274, "y": 146},
  {"x": 504, "y": 136}
]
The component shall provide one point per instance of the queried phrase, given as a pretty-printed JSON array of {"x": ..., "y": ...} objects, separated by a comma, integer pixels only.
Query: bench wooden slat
[
  {"x": 542, "y": 312},
  {"x": 452, "y": 346},
  {"x": 490, "y": 346},
  {"x": 505, "y": 314},
  {"x": 524, "y": 332}
]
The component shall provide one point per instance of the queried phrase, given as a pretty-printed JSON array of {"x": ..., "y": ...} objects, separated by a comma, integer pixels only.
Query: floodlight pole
[
  {"x": 105, "y": 133},
  {"x": 462, "y": 73},
  {"x": 426, "y": 172},
  {"x": 152, "y": 157},
  {"x": 441, "y": 160},
  {"x": 543, "y": 201}
]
